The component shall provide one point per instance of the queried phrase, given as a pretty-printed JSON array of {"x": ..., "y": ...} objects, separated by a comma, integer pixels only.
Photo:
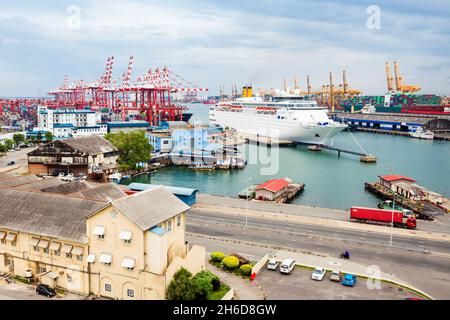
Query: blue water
[{"x": 331, "y": 181}]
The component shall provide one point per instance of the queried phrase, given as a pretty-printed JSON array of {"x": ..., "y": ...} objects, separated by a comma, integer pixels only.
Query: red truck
[{"x": 362, "y": 214}]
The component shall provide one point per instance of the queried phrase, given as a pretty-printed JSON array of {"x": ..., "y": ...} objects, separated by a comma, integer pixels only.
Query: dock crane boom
[{"x": 389, "y": 78}]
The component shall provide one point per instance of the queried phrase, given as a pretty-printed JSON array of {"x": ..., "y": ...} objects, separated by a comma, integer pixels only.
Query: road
[
  {"x": 406, "y": 259},
  {"x": 20, "y": 157},
  {"x": 441, "y": 224}
]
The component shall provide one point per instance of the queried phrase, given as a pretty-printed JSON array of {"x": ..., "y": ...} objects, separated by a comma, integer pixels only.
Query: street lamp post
[
  {"x": 392, "y": 219},
  {"x": 246, "y": 203}
]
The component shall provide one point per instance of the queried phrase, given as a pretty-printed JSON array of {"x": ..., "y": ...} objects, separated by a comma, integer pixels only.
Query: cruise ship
[{"x": 286, "y": 118}]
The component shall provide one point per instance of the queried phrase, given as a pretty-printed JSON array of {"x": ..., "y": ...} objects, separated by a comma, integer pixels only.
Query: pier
[{"x": 425, "y": 210}]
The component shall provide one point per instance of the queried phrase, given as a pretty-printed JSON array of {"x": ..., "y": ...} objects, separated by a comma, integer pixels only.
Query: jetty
[{"x": 277, "y": 190}]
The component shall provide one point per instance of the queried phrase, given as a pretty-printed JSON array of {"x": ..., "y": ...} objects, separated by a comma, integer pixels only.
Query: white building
[{"x": 63, "y": 123}]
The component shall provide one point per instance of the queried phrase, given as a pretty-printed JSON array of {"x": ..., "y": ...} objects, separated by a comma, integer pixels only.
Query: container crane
[{"x": 399, "y": 82}]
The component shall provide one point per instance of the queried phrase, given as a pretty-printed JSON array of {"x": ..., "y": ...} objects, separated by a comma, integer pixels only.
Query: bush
[
  {"x": 204, "y": 281},
  {"x": 217, "y": 256},
  {"x": 241, "y": 259},
  {"x": 230, "y": 262},
  {"x": 182, "y": 287},
  {"x": 216, "y": 284},
  {"x": 246, "y": 269}
]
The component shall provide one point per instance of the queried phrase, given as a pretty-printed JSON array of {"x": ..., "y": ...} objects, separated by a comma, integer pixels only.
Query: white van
[{"x": 287, "y": 266}]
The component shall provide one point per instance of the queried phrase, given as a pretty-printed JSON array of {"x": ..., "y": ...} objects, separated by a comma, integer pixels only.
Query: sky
[{"x": 220, "y": 43}]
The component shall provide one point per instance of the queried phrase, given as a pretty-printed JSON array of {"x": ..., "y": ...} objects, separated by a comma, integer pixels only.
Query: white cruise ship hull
[{"x": 272, "y": 126}]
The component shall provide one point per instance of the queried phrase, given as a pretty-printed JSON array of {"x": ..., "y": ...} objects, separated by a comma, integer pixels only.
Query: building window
[
  {"x": 45, "y": 250},
  {"x": 68, "y": 255},
  {"x": 127, "y": 241},
  {"x": 69, "y": 278},
  {"x": 101, "y": 237},
  {"x": 130, "y": 293},
  {"x": 36, "y": 248},
  {"x": 13, "y": 243},
  {"x": 3, "y": 241},
  {"x": 42, "y": 270},
  {"x": 57, "y": 252},
  {"x": 169, "y": 225},
  {"x": 178, "y": 221},
  {"x": 107, "y": 287},
  {"x": 80, "y": 257}
]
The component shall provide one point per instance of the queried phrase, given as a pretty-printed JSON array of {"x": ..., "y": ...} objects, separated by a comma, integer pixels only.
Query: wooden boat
[{"x": 202, "y": 167}]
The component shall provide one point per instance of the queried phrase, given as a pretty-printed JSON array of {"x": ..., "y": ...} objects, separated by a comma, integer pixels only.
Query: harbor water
[{"x": 330, "y": 181}]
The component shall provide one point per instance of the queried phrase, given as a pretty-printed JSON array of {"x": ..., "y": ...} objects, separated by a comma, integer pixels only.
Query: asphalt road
[
  {"x": 302, "y": 232},
  {"x": 406, "y": 259},
  {"x": 20, "y": 157}
]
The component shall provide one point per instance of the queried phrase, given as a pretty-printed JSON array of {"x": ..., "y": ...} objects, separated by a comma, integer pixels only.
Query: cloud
[{"x": 214, "y": 43}]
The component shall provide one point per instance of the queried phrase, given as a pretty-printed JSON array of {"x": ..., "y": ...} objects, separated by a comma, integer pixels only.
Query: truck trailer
[{"x": 380, "y": 216}]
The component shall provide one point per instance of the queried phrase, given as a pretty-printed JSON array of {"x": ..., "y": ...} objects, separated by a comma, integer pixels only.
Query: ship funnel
[{"x": 247, "y": 91}]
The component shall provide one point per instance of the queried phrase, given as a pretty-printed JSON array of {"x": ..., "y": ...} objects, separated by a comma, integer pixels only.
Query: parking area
[
  {"x": 299, "y": 286},
  {"x": 18, "y": 291}
]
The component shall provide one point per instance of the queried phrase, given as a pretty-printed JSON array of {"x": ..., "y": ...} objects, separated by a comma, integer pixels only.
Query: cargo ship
[{"x": 399, "y": 103}]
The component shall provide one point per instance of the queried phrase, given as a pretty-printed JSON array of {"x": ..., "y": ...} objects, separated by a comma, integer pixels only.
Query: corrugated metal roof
[
  {"x": 66, "y": 187},
  {"x": 92, "y": 144},
  {"x": 395, "y": 177},
  {"x": 274, "y": 185},
  {"x": 150, "y": 207},
  {"x": 102, "y": 192},
  {"x": 46, "y": 214},
  {"x": 18, "y": 180},
  {"x": 388, "y": 117},
  {"x": 174, "y": 190}
]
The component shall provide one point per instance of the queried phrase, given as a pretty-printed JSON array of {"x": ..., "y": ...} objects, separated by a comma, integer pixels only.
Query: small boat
[
  {"x": 115, "y": 177},
  {"x": 422, "y": 134},
  {"x": 314, "y": 148},
  {"x": 368, "y": 158},
  {"x": 224, "y": 164},
  {"x": 202, "y": 167}
]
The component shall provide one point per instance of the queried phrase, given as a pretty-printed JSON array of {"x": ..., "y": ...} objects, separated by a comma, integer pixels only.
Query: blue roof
[
  {"x": 158, "y": 230},
  {"x": 63, "y": 125},
  {"x": 128, "y": 124},
  {"x": 174, "y": 190}
]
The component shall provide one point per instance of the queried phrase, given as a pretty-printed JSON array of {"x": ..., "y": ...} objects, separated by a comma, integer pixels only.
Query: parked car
[
  {"x": 61, "y": 174},
  {"x": 272, "y": 264},
  {"x": 335, "y": 276},
  {"x": 10, "y": 163},
  {"x": 318, "y": 273},
  {"x": 287, "y": 266},
  {"x": 45, "y": 290},
  {"x": 349, "y": 280}
]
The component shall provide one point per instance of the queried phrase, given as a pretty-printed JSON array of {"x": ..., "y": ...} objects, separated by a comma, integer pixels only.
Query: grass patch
[
  {"x": 217, "y": 295},
  {"x": 21, "y": 279}
]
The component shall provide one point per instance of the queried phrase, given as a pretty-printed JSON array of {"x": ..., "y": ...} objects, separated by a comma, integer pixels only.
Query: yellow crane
[{"x": 399, "y": 82}]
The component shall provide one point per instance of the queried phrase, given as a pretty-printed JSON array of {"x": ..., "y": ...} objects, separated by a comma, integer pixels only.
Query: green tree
[
  {"x": 8, "y": 144},
  {"x": 2, "y": 148},
  {"x": 39, "y": 137},
  {"x": 204, "y": 281},
  {"x": 182, "y": 287},
  {"x": 133, "y": 147},
  {"x": 48, "y": 136},
  {"x": 19, "y": 139}
]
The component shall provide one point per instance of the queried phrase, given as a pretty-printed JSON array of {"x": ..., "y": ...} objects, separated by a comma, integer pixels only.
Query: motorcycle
[{"x": 345, "y": 255}]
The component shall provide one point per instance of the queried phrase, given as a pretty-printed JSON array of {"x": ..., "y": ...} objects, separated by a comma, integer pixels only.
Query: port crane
[
  {"x": 148, "y": 97},
  {"x": 399, "y": 86}
]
